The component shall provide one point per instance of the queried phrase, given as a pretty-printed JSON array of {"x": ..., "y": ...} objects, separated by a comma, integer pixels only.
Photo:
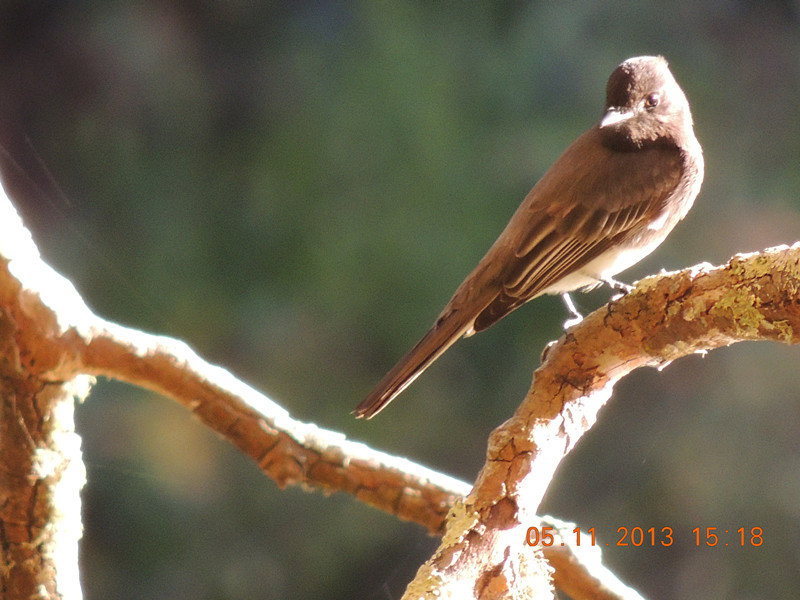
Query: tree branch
[
  {"x": 66, "y": 339},
  {"x": 753, "y": 297},
  {"x": 41, "y": 471},
  {"x": 51, "y": 337}
]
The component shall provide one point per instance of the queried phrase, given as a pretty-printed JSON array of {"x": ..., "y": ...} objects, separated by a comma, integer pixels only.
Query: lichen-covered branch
[{"x": 753, "y": 297}]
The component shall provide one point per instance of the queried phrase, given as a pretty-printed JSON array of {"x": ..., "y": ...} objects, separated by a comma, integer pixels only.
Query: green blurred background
[{"x": 295, "y": 189}]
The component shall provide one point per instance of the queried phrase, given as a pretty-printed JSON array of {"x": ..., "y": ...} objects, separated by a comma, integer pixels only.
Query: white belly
[{"x": 603, "y": 268}]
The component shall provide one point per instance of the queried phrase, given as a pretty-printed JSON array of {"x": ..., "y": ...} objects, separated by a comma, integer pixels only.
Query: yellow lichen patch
[
  {"x": 785, "y": 331},
  {"x": 461, "y": 521},
  {"x": 743, "y": 308}
]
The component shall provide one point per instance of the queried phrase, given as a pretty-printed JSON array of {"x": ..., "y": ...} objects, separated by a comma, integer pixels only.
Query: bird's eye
[{"x": 651, "y": 101}]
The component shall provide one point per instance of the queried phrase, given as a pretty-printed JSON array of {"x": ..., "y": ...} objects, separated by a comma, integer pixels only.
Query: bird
[{"x": 607, "y": 202}]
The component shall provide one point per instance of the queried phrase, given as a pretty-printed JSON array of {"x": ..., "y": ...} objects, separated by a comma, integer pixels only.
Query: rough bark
[
  {"x": 483, "y": 555},
  {"x": 41, "y": 471}
]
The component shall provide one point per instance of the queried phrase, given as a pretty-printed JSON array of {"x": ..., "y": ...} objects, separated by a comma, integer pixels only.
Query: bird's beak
[{"x": 614, "y": 116}]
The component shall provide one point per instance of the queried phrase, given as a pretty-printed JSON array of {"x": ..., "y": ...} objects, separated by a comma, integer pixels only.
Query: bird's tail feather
[{"x": 428, "y": 349}]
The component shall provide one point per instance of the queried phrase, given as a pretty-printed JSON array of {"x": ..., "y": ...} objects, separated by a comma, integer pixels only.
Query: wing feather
[{"x": 555, "y": 232}]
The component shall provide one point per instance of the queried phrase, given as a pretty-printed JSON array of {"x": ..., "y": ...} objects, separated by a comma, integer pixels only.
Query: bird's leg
[{"x": 576, "y": 316}]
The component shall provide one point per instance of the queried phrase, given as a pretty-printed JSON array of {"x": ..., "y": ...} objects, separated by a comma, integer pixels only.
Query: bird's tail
[{"x": 441, "y": 336}]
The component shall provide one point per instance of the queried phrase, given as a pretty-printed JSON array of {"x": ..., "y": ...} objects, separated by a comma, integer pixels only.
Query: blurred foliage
[{"x": 296, "y": 189}]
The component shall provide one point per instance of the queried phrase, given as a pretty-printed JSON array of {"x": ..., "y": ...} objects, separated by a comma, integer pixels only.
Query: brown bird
[{"x": 606, "y": 203}]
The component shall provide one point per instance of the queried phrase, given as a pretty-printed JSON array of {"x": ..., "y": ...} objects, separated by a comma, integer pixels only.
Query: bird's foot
[{"x": 619, "y": 286}]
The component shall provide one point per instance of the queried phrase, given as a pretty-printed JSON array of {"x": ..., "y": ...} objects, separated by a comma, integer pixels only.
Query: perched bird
[{"x": 606, "y": 203}]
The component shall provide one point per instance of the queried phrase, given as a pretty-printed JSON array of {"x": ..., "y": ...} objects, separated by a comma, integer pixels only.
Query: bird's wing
[{"x": 570, "y": 218}]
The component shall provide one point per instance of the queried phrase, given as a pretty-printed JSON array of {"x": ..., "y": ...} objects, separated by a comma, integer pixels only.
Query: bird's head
[{"x": 645, "y": 104}]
